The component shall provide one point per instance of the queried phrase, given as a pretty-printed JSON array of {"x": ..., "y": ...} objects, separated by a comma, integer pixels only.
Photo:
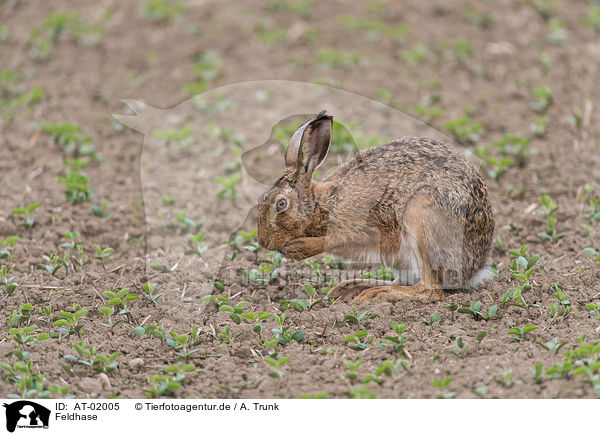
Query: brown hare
[{"x": 411, "y": 204}]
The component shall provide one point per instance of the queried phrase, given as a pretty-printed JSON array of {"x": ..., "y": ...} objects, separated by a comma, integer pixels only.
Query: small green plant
[
  {"x": 593, "y": 18},
  {"x": 284, "y": 334},
  {"x": 353, "y": 366},
  {"x": 553, "y": 345},
  {"x": 337, "y": 59},
  {"x": 228, "y": 185},
  {"x": 522, "y": 268},
  {"x": 27, "y": 212},
  {"x": 149, "y": 293},
  {"x": 520, "y": 333},
  {"x": 426, "y": 110},
  {"x": 592, "y": 197},
  {"x": 461, "y": 348},
  {"x": 399, "y": 339},
  {"x": 7, "y": 250},
  {"x": 195, "y": 240},
  {"x": 418, "y": 54},
  {"x": 355, "y": 317},
  {"x": 103, "y": 254},
  {"x": 222, "y": 302},
  {"x": 431, "y": 321},
  {"x": 183, "y": 343},
  {"x": 475, "y": 311},
  {"x": 70, "y": 323},
  {"x": 442, "y": 384},
  {"x": 543, "y": 7},
  {"x": 277, "y": 364},
  {"x": 463, "y": 129},
  {"x": 120, "y": 299},
  {"x": 29, "y": 383},
  {"x": 458, "y": 50},
  {"x": 163, "y": 10},
  {"x": 543, "y": 98},
  {"x": 182, "y": 137},
  {"x": 496, "y": 166},
  {"x": 557, "y": 34},
  {"x": 259, "y": 320},
  {"x": 359, "y": 340},
  {"x": 170, "y": 382},
  {"x": 593, "y": 253},
  {"x": 7, "y": 281},
  {"x": 101, "y": 210},
  {"x": 563, "y": 307},
  {"x": 76, "y": 187},
  {"x": 205, "y": 70},
  {"x": 548, "y": 211},
  {"x": 87, "y": 356},
  {"x": 514, "y": 146},
  {"x": 538, "y": 125}
]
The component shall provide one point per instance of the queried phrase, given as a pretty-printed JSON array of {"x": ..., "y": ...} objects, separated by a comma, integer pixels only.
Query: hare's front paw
[
  {"x": 303, "y": 247},
  {"x": 348, "y": 289}
]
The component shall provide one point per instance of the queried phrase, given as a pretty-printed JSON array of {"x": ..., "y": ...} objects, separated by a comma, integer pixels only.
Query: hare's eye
[{"x": 281, "y": 204}]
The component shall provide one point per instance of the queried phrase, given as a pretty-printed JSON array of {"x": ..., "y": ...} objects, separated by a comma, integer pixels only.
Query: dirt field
[{"x": 513, "y": 82}]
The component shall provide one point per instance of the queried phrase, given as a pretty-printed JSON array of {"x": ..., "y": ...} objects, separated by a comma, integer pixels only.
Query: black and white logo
[{"x": 25, "y": 414}]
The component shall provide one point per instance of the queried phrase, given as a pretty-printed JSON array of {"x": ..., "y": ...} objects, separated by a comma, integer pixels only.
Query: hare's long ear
[{"x": 309, "y": 145}]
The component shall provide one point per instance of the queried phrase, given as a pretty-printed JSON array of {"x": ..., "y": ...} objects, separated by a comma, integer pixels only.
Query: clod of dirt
[{"x": 136, "y": 363}]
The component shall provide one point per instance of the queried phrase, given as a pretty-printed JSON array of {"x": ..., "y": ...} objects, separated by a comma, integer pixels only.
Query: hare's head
[{"x": 285, "y": 210}]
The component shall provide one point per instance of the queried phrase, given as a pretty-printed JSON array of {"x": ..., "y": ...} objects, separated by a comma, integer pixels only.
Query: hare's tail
[{"x": 482, "y": 276}]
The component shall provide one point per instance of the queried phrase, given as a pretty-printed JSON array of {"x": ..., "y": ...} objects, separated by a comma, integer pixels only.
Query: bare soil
[{"x": 145, "y": 184}]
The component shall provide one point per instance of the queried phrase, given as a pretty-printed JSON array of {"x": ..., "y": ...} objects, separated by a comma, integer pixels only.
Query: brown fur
[{"x": 411, "y": 202}]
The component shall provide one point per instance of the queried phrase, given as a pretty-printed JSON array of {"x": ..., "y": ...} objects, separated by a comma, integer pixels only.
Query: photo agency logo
[
  {"x": 24, "y": 414},
  {"x": 229, "y": 181}
]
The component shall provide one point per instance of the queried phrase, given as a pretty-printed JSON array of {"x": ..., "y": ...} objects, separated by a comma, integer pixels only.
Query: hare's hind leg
[
  {"x": 350, "y": 288},
  {"x": 424, "y": 291}
]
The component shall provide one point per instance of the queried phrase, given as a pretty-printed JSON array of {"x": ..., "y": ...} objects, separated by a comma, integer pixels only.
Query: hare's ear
[{"x": 309, "y": 145}]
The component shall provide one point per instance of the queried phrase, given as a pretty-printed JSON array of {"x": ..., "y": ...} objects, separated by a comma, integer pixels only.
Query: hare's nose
[{"x": 262, "y": 241}]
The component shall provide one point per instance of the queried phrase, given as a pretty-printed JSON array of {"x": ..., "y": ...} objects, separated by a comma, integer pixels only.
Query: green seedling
[
  {"x": 26, "y": 336},
  {"x": 537, "y": 373},
  {"x": 103, "y": 254},
  {"x": 195, "y": 240},
  {"x": 520, "y": 333},
  {"x": 319, "y": 395},
  {"x": 277, "y": 364},
  {"x": 170, "y": 382},
  {"x": 478, "y": 17},
  {"x": 7, "y": 281},
  {"x": 54, "y": 263},
  {"x": 87, "y": 356},
  {"x": 361, "y": 392},
  {"x": 183, "y": 137},
  {"x": 418, "y": 54},
  {"x": 516, "y": 147},
  {"x": 428, "y": 113},
  {"x": 442, "y": 384},
  {"x": 461, "y": 348},
  {"x": 538, "y": 125},
  {"x": 226, "y": 337},
  {"x": 337, "y": 59},
  {"x": 184, "y": 221},
  {"x": 475, "y": 311},
  {"x": 548, "y": 211},
  {"x": 506, "y": 380},
  {"x": 71, "y": 322},
  {"x": 183, "y": 343},
  {"x": 283, "y": 334},
  {"x": 352, "y": 374},
  {"x": 557, "y": 34},
  {"x": 592, "y": 197},
  {"x": 496, "y": 166},
  {"x": 109, "y": 312},
  {"x": 101, "y": 210},
  {"x": 463, "y": 129},
  {"x": 156, "y": 331},
  {"x": 563, "y": 307},
  {"x": 76, "y": 187},
  {"x": 543, "y": 98},
  {"x": 431, "y": 321},
  {"x": 229, "y": 184},
  {"x": 221, "y": 303},
  {"x": 149, "y": 293},
  {"x": 375, "y": 28},
  {"x": 594, "y": 309},
  {"x": 7, "y": 249},
  {"x": 27, "y": 212},
  {"x": 259, "y": 323},
  {"x": 205, "y": 70},
  {"x": 584, "y": 361},
  {"x": 359, "y": 340},
  {"x": 387, "y": 368},
  {"x": 593, "y": 18},
  {"x": 522, "y": 268},
  {"x": 553, "y": 345},
  {"x": 356, "y": 318},
  {"x": 120, "y": 299},
  {"x": 480, "y": 336},
  {"x": 398, "y": 340},
  {"x": 452, "y": 308},
  {"x": 21, "y": 315},
  {"x": 543, "y": 7},
  {"x": 162, "y": 10},
  {"x": 29, "y": 384}
]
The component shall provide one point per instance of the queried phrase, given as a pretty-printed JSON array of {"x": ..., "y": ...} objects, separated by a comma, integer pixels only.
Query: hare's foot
[
  {"x": 352, "y": 287},
  {"x": 395, "y": 293},
  {"x": 303, "y": 247}
]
